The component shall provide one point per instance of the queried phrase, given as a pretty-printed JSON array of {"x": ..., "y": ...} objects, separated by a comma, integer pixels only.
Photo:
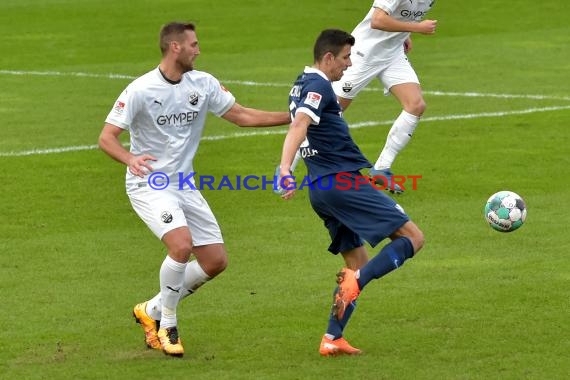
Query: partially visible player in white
[
  {"x": 164, "y": 112},
  {"x": 382, "y": 42}
]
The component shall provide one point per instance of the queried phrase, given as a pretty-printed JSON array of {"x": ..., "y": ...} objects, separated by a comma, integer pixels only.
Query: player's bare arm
[
  {"x": 295, "y": 136},
  {"x": 251, "y": 117},
  {"x": 383, "y": 21},
  {"x": 109, "y": 143}
]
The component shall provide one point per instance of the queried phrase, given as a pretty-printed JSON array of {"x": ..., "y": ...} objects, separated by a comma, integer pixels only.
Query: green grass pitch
[{"x": 474, "y": 304}]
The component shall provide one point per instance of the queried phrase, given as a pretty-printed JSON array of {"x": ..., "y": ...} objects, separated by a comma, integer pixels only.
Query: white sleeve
[
  {"x": 220, "y": 99},
  {"x": 389, "y": 6},
  {"x": 125, "y": 109}
]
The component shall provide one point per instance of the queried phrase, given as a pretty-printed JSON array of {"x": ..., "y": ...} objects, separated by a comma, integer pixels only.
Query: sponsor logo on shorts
[
  {"x": 166, "y": 217},
  {"x": 347, "y": 86}
]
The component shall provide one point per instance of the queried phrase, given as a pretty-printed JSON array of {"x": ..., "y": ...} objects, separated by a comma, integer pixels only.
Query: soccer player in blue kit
[{"x": 352, "y": 209}]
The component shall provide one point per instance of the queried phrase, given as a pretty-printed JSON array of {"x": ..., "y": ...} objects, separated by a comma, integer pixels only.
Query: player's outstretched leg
[{"x": 390, "y": 257}]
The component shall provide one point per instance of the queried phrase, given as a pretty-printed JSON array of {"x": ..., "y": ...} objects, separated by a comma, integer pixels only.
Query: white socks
[
  {"x": 171, "y": 278},
  {"x": 194, "y": 277},
  {"x": 154, "y": 308},
  {"x": 398, "y": 137}
]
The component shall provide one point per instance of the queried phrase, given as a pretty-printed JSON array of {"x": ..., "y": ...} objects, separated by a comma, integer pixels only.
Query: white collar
[{"x": 312, "y": 70}]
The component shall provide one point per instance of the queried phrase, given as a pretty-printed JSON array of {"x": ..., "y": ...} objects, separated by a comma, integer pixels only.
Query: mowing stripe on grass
[
  {"x": 284, "y": 85},
  {"x": 33, "y": 152},
  {"x": 282, "y": 131}
]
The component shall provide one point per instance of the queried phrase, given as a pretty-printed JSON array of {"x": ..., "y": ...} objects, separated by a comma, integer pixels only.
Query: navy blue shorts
[{"x": 354, "y": 211}]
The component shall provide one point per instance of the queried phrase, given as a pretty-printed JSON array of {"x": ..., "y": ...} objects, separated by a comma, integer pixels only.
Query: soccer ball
[{"x": 505, "y": 211}]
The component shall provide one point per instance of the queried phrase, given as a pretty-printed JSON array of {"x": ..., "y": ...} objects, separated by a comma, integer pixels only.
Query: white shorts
[
  {"x": 165, "y": 210},
  {"x": 357, "y": 76}
]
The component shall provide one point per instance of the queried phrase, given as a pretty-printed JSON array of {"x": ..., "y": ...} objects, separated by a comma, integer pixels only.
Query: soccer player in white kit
[
  {"x": 164, "y": 111},
  {"x": 382, "y": 42}
]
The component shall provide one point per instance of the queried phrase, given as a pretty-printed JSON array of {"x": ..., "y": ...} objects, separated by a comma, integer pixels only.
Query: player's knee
[
  {"x": 181, "y": 251},
  {"x": 421, "y": 107},
  {"x": 215, "y": 265},
  {"x": 416, "y": 107},
  {"x": 418, "y": 240},
  {"x": 218, "y": 265},
  {"x": 212, "y": 258},
  {"x": 412, "y": 232}
]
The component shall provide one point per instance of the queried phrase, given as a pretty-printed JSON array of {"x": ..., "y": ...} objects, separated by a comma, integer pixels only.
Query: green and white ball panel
[{"x": 505, "y": 211}]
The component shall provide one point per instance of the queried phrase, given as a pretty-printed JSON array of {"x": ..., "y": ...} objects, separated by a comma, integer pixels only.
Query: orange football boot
[
  {"x": 337, "y": 347},
  {"x": 149, "y": 326}
]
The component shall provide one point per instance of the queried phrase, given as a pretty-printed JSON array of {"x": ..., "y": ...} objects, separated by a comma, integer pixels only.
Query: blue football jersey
[{"x": 330, "y": 147}]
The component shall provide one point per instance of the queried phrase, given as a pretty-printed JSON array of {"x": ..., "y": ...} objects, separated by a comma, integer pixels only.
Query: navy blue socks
[
  {"x": 336, "y": 326},
  {"x": 391, "y": 257}
]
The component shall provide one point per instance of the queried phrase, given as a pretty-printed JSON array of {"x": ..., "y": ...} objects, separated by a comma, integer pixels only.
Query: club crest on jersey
[
  {"x": 193, "y": 98},
  {"x": 313, "y": 99},
  {"x": 347, "y": 86}
]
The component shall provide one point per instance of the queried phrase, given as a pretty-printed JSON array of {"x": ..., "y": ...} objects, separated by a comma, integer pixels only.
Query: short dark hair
[
  {"x": 333, "y": 41},
  {"x": 173, "y": 31}
]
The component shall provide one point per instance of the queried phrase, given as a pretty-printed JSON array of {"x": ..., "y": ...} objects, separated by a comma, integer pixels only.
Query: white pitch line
[
  {"x": 65, "y": 74},
  {"x": 284, "y": 85},
  {"x": 37, "y": 152},
  {"x": 491, "y": 95},
  {"x": 282, "y": 131}
]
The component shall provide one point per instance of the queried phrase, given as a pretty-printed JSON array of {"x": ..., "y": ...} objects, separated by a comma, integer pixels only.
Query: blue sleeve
[{"x": 315, "y": 96}]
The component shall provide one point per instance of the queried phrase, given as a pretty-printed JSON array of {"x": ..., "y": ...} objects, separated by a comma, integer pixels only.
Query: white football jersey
[
  {"x": 376, "y": 46},
  {"x": 166, "y": 120}
]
